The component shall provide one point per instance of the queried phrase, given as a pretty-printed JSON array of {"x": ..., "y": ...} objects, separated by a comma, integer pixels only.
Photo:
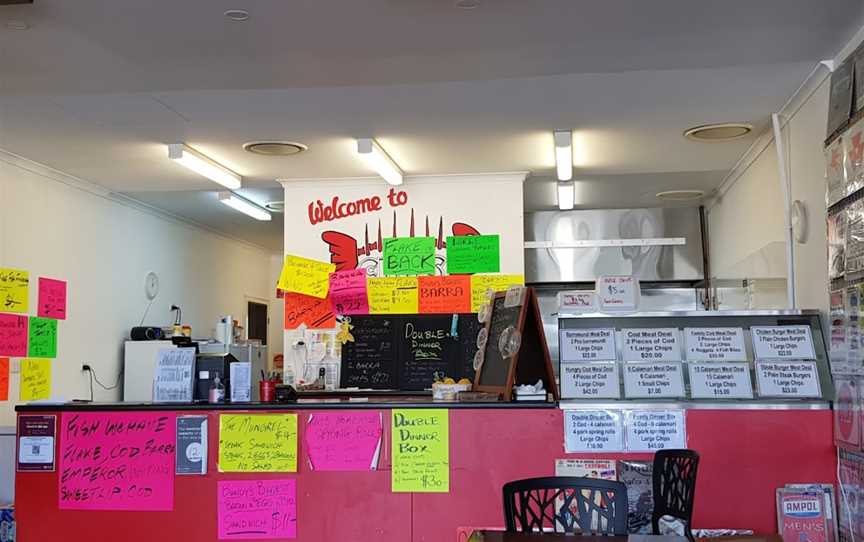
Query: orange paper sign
[
  {"x": 448, "y": 295},
  {"x": 312, "y": 311},
  {"x": 4, "y": 379}
]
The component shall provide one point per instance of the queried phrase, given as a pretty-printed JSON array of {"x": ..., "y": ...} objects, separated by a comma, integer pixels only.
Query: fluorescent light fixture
[
  {"x": 564, "y": 154},
  {"x": 375, "y": 157},
  {"x": 566, "y": 196},
  {"x": 200, "y": 164},
  {"x": 244, "y": 206}
]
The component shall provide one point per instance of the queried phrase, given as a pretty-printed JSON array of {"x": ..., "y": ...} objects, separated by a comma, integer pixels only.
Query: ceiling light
[
  {"x": 202, "y": 165},
  {"x": 566, "y": 196},
  {"x": 375, "y": 157},
  {"x": 728, "y": 131},
  {"x": 680, "y": 195},
  {"x": 244, "y": 206},
  {"x": 237, "y": 15},
  {"x": 564, "y": 154},
  {"x": 467, "y": 4},
  {"x": 274, "y": 148}
]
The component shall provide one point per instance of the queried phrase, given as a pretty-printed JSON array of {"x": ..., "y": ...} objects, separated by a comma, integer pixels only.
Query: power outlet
[{"x": 15, "y": 366}]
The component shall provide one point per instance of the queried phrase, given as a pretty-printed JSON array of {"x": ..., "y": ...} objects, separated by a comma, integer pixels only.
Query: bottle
[{"x": 217, "y": 390}]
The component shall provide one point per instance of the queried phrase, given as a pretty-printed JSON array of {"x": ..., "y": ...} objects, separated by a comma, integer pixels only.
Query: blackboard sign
[
  {"x": 410, "y": 349},
  {"x": 495, "y": 366},
  {"x": 369, "y": 361}
]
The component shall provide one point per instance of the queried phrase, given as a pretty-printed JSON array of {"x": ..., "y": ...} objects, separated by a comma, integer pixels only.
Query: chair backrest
[
  {"x": 566, "y": 504},
  {"x": 674, "y": 481}
]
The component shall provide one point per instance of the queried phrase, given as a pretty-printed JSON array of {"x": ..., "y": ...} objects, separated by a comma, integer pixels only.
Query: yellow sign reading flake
[
  {"x": 14, "y": 290},
  {"x": 392, "y": 295},
  {"x": 498, "y": 283},
  {"x": 305, "y": 276},
  {"x": 35, "y": 379},
  {"x": 421, "y": 451},
  {"x": 258, "y": 443}
]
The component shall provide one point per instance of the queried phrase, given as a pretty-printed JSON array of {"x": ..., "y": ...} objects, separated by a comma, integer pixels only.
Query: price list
[
  {"x": 653, "y": 380},
  {"x": 587, "y": 344},
  {"x": 650, "y": 344},
  {"x": 798, "y": 379},
  {"x": 782, "y": 342},
  {"x": 714, "y": 344},
  {"x": 590, "y": 381},
  {"x": 593, "y": 431},
  {"x": 720, "y": 381}
]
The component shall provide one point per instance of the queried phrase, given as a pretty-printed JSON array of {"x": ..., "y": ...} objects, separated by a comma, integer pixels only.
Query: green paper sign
[
  {"x": 43, "y": 338},
  {"x": 409, "y": 256},
  {"x": 473, "y": 254},
  {"x": 420, "y": 451}
]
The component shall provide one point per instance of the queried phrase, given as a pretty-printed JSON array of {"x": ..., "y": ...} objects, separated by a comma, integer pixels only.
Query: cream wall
[
  {"x": 104, "y": 248},
  {"x": 746, "y": 224}
]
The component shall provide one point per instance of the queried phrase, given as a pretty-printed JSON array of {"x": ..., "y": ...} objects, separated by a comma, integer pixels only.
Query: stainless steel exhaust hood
[{"x": 662, "y": 244}]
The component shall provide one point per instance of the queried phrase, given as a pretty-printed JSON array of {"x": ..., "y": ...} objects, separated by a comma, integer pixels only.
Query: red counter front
[{"x": 746, "y": 454}]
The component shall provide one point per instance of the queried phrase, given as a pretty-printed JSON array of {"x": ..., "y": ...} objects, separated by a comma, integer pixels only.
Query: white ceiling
[{"x": 96, "y": 89}]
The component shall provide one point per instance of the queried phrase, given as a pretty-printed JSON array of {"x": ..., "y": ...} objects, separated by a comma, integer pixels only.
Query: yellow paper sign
[
  {"x": 421, "y": 451},
  {"x": 498, "y": 283},
  {"x": 14, "y": 290},
  {"x": 306, "y": 276},
  {"x": 258, "y": 443},
  {"x": 35, "y": 379},
  {"x": 392, "y": 295}
]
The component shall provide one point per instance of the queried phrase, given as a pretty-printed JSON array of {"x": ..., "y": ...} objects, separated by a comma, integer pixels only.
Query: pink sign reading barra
[
  {"x": 117, "y": 461},
  {"x": 257, "y": 509},
  {"x": 343, "y": 441}
]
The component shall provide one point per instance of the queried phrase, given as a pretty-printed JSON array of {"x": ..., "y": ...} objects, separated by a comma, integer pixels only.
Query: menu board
[
  {"x": 653, "y": 380},
  {"x": 587, "y": 344},
  {"x": 652, "y": 430},
  {"x": 369, "y": 361},
  {"x": 593, "y": 431},
  {"x": 650, "y": 344},
  {"x": 590, "y": 381},
  {"x": 426, "y": 348},
  {"x": 720, "y": 381},
  {"x": 782, "y": 342},
  {"x": 495, "y": 366},
  {"x": 714, "y": 344},
  {"x": 798, "y": 379}
]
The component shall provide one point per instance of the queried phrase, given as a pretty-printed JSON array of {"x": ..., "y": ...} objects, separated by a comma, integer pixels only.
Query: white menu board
[
  {"x": 652, "y": 430},
  {"x": 590, "y": 381},
  {"x": 782, "y": 342},
  {"x": 587, "y": 344},
  {"x": 650, "y": 344},
  {"x": 714, "y": 344},
  {"x": 651, "y": 380},
  {"x": 618, "y": 293},
  {"x": 720, "y": 381},
  {"x": 799, "y": 379},
  {"x": 593, "y": 431}
]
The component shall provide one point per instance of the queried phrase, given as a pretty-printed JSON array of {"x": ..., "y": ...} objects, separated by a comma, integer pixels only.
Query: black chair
[
  {"x": 674, "y": 480},
  {"x": 566, "y": 504}
]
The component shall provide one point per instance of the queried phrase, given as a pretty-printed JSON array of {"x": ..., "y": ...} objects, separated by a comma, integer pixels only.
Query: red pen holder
[{"x": 267, "y": 391}]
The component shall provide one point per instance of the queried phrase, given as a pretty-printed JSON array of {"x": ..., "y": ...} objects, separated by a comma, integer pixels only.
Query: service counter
[{"x": 747, "y": 449}]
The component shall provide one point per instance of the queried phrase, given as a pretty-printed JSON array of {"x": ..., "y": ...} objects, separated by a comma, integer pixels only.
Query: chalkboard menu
[
  {"x": 495, "y": 365},
  {"x": 370, "y": 360},
  {"x": 405, "y": 351}
]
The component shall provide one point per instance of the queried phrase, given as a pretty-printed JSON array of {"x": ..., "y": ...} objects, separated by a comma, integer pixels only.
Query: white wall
[
  {"x": 104, "y": 249},
  {"x": 746, "y": 224}
]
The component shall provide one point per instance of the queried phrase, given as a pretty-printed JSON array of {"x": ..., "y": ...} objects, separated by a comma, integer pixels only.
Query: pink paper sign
[
  {"x": 348, "y": 292},
  {"x": 117, "y": 461},
  {"x": 343, "y": 441},
  {"x": 52, "y": 298},
  {"x": 257, "y": 509},
  {"x": 13, "y": 335}
]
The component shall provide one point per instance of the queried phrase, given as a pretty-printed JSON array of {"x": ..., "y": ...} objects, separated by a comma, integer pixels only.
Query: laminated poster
[
  {"x": 191, "y": 445},
  {"x": 258, "y": 443},
  {"x": 14, "y": 290},
  {"x": 636, "y": 475},
  {"x": 36, "y": 439},
  {"x": 593, "y": 431},
  {"x": 420, "y": 451},
  {"x": 117, "y": 461},
  {"x": 343, "y": 441},
  {"x": 305, "y": 276},
  {"x": 257, "y": 509}
]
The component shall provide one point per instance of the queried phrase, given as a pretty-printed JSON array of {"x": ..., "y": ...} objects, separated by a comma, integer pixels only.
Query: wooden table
[{"x": 498, "y": 536}]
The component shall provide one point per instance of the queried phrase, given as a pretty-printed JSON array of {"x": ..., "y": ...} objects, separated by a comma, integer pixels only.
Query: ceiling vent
[
  {"x": 275, "y": 148},
  {"x": 729, "y": 131},
  {"x": 680, "y": 195}
]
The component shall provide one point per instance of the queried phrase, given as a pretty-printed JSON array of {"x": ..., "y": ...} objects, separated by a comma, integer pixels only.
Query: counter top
[{"x": 301, "y": 404}]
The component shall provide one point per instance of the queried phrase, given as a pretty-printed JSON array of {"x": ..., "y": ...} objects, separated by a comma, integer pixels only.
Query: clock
[{"x": 151, "y": 285}]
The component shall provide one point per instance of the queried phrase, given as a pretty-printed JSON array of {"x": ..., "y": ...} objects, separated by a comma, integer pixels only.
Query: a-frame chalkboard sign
[{"x": 530, "y": 362}]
